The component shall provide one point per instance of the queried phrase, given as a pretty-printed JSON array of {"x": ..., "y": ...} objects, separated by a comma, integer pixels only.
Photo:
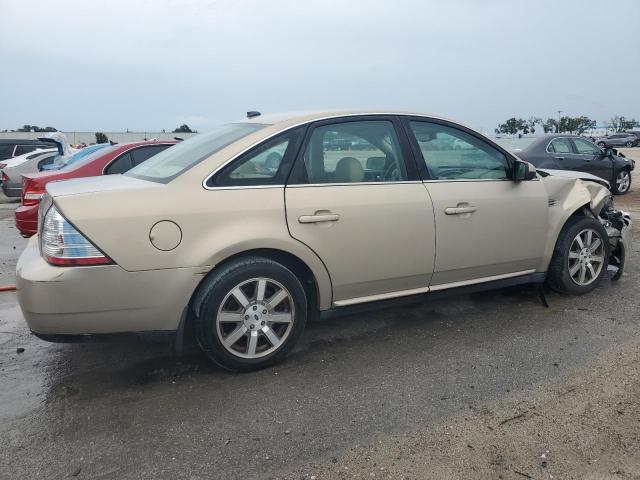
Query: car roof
[
  {"x": 285, "y": 119},
  {"x": 26, "y": 141},
  {"x": 144, "y": 142}
]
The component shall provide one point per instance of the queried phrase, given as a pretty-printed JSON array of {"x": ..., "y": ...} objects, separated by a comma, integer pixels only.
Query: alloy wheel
[
  {"x": 255, "y": 318},
  {"x": 586, "y": 257},
  {"x": 623, "y": 181}
]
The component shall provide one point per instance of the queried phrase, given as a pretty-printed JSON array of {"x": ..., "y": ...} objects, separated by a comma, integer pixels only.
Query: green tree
[
  {"x": 513, "y": 126},
  {"x": 101, "y": 138},
  {"x": 550, "y": 125},
  {"x": 184, "y": 128},
  {"x": 577, "y": 125}
]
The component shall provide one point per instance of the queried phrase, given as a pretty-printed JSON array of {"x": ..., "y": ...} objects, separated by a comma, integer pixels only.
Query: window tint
[
  {"x": 452, "y": 154},
  {"x": 120, "y": 165},
  {"x": 586, "y": 147},
  {"x": 354, "y": 152},
  {"x": 266, "y": 164},
  {"x": 143, "y": 153},
  {"x": 560, "y": 145},
  {"x": 22, "y": 149}
]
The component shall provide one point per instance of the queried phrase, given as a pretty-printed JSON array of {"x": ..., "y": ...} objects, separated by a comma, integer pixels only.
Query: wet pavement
[{"x": 132, "y": 410}]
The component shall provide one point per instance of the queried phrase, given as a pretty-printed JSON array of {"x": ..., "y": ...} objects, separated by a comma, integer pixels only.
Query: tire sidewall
[
  {"x": 564, "y": 244},
  {"x": 217, "y": 291}
]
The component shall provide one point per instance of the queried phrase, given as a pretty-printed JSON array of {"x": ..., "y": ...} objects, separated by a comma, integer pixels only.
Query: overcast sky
[{"x": 147, "y": 65}]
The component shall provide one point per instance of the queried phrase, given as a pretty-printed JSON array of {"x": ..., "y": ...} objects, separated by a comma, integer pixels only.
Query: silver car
[{"x": 33, "y": 162}]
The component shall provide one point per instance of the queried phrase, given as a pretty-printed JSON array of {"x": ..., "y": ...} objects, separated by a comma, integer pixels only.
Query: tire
[
  {"x": 629, "y": 144},
  {"x": 622, "y": 182},
  {"x": 220, "y": 317},
  {"x": 562, "y": 276},
  {"x": 602, "y": 144}
]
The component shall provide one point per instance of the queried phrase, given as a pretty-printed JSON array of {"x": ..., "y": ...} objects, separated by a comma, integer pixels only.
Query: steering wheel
[{"x": 391, "y": 173}]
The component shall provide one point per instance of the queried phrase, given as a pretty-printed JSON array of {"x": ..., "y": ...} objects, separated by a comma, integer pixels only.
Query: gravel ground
[{"x": 477, "y": 386}]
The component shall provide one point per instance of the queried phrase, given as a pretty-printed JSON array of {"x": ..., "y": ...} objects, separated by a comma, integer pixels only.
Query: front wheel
[
  {"x": 580, "y": 258},
  {"x": 622, "y": 183},
  {"x": 602, "y": 144},
  {"x": 253, "y": 312}
]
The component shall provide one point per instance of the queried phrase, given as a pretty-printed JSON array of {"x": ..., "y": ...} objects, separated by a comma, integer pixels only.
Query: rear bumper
[
  {"x": 27, "y": 219},
  {"x": 88, "y": 301}
]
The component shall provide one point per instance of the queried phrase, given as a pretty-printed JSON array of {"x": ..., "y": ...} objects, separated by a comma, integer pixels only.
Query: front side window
[
  {"x": 167, "y": 165},
  {"x": 560, "y": 145},
  {"x": 354, "y": 152},
  {"x": 586, "y": 147},
  {"x": 451, "y": 154}
]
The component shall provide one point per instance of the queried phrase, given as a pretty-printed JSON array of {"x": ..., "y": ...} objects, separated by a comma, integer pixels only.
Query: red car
[{"x": 113, "y": 159}]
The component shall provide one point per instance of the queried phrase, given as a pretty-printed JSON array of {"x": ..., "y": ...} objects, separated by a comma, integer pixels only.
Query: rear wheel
[
  {"x": 629, "y": 144},
  {"x": 622, "y": 183},
  {"x": 580, "y": 258},
  {"x": 602, "y": 144},
  {"x": 253, "y": 312}
]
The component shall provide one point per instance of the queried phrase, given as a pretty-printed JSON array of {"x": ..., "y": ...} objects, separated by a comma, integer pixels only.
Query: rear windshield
[
  {"x": 167, "y": 165},
  {"x": 86, "y": 155}
]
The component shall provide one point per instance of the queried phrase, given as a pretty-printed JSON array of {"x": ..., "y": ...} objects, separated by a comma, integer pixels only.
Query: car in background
[
  {"x": 206, "y": 238},
  {"x": 108, "y": 160},
  {"x": 559, "y": 151},
  {"x": 11, "y": 170},
  {"x": 635, "y": 133},
  {"x": 617, "y": 140},
  {"x": 10, "y": 148},
  {"x": 62, "y": 160}
]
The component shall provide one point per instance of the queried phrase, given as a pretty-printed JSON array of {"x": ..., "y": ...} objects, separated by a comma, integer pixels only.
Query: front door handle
[
  {"x": 459, "y": 210},
  {"x": 318, "y": 217}
]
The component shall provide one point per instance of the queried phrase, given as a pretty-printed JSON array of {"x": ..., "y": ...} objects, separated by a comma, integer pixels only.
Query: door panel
[
  {"x": 502, "y": 233},
  {"x": 373, "y": 238}
]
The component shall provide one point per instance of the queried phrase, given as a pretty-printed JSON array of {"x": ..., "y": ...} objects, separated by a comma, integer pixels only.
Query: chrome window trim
[
  {"x": 474, "y": 180},
  {"x": 307, "y": 122},
  {"x": 351, "y": 184}
]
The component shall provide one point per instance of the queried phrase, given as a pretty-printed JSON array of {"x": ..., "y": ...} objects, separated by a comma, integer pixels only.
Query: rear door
[
  {"x": 355, "y": 199},
  {"x": 488, "y": 227}
]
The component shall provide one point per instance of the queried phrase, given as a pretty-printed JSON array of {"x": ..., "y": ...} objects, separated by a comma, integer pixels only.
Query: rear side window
[
  {"x": 452, "y": 154},
  {"x": 266, "y": 164},
  {"x": 560, "y": 145},
  {"x": 6, "y": 150},
  {"x": 120, "y": 165},
  {"x": 144, "y": 153}
]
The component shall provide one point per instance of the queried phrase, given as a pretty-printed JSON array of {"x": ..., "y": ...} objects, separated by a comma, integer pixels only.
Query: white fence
[{"x": 90, "y": 137}]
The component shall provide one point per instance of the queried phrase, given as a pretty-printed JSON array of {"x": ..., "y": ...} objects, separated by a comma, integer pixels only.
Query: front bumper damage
[{"x": 618, "y": 225}]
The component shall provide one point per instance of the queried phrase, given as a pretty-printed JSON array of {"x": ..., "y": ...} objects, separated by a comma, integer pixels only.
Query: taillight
[
  {"x": 5, "y": 177},
  {"x": 31, "y": 192},
  {"x": 62, "y": 244},
  {"x": 3, "y": 165}
]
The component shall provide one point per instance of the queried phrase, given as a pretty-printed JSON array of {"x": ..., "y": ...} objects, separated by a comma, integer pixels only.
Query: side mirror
[
  {"x": 523, "y": 171},
  {"x": 610, "y": 152}
]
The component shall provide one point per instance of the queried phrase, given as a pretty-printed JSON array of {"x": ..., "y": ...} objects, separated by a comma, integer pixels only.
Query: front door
[
  {"x": 355, "y": 199},
  {"x": 596, "y": 162},
  {"x": 488, "y": 227}
]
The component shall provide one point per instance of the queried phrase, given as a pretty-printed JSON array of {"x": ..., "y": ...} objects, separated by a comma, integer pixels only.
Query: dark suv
[
  {"x": 14, "y": 147},
  {"x": 626, "y": 139}
]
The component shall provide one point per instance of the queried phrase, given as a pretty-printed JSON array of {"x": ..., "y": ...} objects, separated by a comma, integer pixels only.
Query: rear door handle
[
  {"x": 319, "y": 217},
  {"x": 459, "y": 210}
]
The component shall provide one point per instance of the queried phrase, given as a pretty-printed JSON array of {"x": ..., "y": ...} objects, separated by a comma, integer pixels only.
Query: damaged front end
[{"x": 617, "y": 223}]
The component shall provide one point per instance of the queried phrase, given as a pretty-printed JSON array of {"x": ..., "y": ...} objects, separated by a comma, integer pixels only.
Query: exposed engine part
[{"x": 617, "y": 224}]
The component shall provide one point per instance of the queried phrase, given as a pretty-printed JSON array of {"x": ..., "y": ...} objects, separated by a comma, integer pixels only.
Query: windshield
[{"x": 167, "y": 165}]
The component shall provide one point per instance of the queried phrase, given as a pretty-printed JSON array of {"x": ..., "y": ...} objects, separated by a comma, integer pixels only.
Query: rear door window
[{"x": 560, "y": 145}]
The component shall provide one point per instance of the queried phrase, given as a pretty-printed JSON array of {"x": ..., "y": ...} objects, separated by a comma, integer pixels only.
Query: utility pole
[{"x": 559, "y": 112}]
